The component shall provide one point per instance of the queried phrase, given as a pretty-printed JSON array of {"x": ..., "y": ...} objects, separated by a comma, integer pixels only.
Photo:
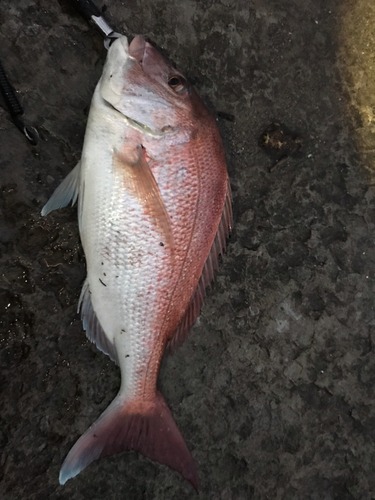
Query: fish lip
[{"x": 137, "y": 48}]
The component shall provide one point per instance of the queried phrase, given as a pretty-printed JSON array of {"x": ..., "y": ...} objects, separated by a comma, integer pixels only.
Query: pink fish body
[{"x": 154, "y": 213}]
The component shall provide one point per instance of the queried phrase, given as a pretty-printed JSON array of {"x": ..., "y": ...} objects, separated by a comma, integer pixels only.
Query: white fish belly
[{"x": 127, "y": 268}]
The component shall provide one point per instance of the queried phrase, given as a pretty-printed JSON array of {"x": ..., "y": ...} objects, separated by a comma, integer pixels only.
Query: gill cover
[{"x": 135, "y": 82}]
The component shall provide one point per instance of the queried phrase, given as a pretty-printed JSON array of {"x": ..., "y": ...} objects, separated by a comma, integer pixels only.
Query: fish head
[{"x": 152, "y": 95}]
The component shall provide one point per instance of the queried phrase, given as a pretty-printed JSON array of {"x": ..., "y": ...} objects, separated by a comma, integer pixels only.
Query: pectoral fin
[{"x": 140, "y": 182}]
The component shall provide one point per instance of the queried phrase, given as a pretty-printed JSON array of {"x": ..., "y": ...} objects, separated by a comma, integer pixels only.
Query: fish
[{"x": 154, "y": 214}]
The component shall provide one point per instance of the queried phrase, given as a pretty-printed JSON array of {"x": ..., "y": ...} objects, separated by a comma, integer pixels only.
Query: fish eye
[{"x": 178, "y": 84}]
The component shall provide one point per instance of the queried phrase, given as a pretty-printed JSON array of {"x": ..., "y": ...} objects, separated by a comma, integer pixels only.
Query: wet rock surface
[{"x": 274, "y": 389}]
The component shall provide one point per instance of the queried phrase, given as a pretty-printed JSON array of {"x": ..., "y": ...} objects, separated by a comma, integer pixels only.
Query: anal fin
[{"x": 91, "y": 324}]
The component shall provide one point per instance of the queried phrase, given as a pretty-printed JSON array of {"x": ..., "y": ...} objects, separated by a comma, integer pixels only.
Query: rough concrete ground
[{"x": 274, "y": 389}]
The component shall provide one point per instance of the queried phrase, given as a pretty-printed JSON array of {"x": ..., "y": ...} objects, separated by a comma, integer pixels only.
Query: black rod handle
[
  {"x": 87, "y": 9},
  {"x": 9, "y": 94}
]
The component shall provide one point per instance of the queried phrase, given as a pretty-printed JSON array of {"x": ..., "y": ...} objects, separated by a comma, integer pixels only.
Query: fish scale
[{"x": 154, "y": 213}]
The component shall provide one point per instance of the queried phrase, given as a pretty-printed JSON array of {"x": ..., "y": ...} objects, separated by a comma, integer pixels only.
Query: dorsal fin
[
  {"x": 211, "y": 265},
  {"x": 91, "y": 325}
]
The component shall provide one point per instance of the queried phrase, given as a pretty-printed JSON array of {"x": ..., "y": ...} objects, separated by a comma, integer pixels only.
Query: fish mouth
[
  {"x": 137, "y": 48},
  {"x": 140, "y": 127},
  {"x": 143, "y": 54}
]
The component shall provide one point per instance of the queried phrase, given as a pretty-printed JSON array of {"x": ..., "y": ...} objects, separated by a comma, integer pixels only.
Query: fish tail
[{"x": 147, "y": 427}]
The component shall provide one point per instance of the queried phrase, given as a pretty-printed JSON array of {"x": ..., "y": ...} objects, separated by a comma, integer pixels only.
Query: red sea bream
[{"x": 154, "y": 212}]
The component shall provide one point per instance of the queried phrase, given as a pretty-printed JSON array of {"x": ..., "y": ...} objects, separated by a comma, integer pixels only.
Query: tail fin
[{"x": 143, "y": 426}]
